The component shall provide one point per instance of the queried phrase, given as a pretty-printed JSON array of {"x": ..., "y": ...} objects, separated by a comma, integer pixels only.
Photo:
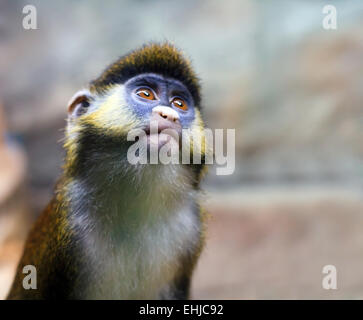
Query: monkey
[{"x": 115, "y": 230}]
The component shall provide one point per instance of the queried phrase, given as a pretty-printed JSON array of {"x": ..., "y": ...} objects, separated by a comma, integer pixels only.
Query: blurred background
[{"x": 292, "y": 90}]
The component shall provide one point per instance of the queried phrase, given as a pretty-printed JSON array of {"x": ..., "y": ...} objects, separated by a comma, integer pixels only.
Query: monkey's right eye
[{"x": 145, "y": 93}]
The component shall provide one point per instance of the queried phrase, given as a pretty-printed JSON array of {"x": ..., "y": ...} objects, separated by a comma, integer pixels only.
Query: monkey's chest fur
[
  {"x": 143, "y": 265},
  {"x": 136, "y": 241}
]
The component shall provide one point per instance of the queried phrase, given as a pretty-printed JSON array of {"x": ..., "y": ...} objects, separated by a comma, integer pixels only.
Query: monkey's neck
[
  {"x": 127, "y": 202},
  {"x": 132, "y": 230}
]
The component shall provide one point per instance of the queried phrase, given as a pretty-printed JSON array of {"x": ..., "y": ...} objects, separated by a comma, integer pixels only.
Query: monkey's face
[
  {"x": 159, "y": 105},
  {"x": 164, "y": 105},
  {"x": 145, "y": 92}
]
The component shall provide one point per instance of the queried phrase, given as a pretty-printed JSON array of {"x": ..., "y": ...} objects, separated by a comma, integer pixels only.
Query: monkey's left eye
[
  {"x": 179, "y": 103},
  {"x": 145, "y": 93}
]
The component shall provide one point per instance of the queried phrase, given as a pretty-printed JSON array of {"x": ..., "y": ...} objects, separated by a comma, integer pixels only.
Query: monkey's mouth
[
  {"x": 162, "y": 137},
  {"x": 167, "y": 131},
  {"x": 160, "y": 133}
]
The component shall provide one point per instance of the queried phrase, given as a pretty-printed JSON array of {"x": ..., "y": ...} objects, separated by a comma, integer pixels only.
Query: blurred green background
[{"x": 290, "y": 88}]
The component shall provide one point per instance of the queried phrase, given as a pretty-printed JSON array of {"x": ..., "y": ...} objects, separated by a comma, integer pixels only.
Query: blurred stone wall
[{"x": 291, "y": 89}]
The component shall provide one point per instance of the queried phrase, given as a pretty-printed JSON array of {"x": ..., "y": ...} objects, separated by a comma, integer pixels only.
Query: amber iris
[
  {"x": 145, "y": 93},
  {"x": 179, "y": 103}
]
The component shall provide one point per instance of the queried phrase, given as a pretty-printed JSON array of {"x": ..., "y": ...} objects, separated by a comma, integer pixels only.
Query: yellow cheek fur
[
  {"x": 113, "y": 115},
  {"x": 198, "y": 134}
]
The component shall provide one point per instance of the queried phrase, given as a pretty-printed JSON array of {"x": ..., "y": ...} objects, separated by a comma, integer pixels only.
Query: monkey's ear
[{"x": 79, "y": 103}]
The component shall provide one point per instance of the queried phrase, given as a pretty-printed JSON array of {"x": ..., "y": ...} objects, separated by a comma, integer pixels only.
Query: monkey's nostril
[{"x": 166, "y": 113}]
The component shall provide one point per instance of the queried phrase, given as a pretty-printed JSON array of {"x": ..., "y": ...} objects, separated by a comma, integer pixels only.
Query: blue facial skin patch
[{"x": 165, "y": 90}]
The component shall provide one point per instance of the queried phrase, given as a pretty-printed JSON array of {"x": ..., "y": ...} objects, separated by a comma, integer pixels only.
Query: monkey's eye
[
  {"x": 145, "y": 93},
  {"x": 179, "y": 103}
]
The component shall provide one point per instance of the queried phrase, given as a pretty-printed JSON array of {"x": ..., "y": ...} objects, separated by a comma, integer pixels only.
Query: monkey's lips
[
  {"x": 162, "y": 137},
  {"x": 163, "y": 132}
]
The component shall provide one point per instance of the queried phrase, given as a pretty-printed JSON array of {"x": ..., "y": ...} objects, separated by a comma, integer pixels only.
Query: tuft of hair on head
[{"x": 164, "y": 59}]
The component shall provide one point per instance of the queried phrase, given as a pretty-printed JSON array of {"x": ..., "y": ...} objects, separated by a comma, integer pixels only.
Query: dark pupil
[
  {"x": 179, "y": 103},
  {"x": 146, "y": 93},
  {"x": 85, "y": 104}
]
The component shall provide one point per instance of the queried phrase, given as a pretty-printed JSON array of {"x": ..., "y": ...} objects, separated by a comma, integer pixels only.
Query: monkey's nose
[{"x": 166, "y": 113}]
